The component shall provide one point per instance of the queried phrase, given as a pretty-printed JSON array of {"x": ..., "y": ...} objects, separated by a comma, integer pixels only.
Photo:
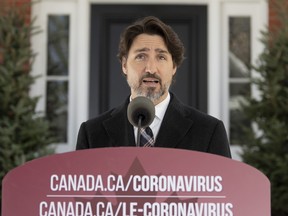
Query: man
[{"x": 150, "y": 53}]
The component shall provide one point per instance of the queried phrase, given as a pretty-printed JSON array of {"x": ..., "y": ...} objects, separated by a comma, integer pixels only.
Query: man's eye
[
  {"x": 140, "y": 57},
  {"x": 162, "y": 57}
]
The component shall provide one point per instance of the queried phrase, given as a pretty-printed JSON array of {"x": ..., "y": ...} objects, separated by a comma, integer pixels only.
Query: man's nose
[{"x": 151, "y": 66}]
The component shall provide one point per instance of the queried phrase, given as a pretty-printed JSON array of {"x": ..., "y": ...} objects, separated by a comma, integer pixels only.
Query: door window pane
[
  {"x": 239, "y": 75},
  {"x": 239, "y": 47},
  {"x": 58, "y": 41},
  {"x": 58, "y": 75},
  {"x": 56, "y": 108},
  {"x": 238, "y": 94}
]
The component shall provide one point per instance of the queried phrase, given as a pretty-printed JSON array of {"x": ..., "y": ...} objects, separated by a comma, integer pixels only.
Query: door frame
[
  {"x": 191, "y": 77},
  {"x": 214, "y": 47}
]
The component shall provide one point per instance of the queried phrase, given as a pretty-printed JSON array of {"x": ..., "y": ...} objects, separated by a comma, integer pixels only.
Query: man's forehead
[{"x": 145, "y": 43}]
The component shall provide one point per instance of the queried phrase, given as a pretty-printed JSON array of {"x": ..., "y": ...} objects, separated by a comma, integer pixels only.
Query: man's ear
[
  {"x": 174, "y": 70},
  {"x": 124, "y": 65}
]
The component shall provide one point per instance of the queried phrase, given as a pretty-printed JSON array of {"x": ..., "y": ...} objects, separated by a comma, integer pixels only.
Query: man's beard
[{"x": 151, "y": 92}]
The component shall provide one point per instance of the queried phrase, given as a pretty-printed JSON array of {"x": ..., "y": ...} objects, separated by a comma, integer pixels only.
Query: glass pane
[
  {"x": 238, "y": 93},
  {"x": 56, "y": 108},
  {"x": 58, "y": 45},
  {"x": 239, "y": 46}
]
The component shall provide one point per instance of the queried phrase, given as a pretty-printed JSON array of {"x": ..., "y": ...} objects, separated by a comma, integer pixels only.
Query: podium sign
[{"x": 128, "y": 181}]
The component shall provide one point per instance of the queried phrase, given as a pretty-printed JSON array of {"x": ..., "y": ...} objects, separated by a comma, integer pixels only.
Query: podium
[{"x": 128, "y": 181}]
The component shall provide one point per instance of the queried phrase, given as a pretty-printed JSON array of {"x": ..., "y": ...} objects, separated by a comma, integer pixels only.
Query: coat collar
[
  {"x": 175, "y": 125},
  {"x": 118, "y": 127}
]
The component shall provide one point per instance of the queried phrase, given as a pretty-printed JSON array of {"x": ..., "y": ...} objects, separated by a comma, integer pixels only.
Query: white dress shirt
[{"x": 160, "y": 110}]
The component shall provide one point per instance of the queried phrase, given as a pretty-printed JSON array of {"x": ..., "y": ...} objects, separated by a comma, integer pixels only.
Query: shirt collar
[{"x": 161, "y": 108}]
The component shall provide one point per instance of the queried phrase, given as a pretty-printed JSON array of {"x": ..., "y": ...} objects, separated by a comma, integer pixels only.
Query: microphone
[{"x": 141, "y": 113}]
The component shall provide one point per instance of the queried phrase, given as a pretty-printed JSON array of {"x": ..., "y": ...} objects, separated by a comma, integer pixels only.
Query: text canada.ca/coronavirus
[{"x": 136, "y": 183}]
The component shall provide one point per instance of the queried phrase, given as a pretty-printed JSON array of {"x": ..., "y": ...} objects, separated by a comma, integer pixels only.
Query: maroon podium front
[{"x": 130, "y": 181}]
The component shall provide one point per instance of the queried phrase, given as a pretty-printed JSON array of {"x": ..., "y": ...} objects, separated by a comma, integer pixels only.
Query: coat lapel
[
  {"x": 175, "y": 125},
  {"x": 118, "y": 128}
]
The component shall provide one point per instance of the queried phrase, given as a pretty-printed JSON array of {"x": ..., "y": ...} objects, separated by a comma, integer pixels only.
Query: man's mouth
[{"x": 150, "y": 81}]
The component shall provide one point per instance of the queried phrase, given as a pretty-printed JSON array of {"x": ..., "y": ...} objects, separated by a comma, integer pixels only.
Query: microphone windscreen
[{"x": 141, "y": 107}]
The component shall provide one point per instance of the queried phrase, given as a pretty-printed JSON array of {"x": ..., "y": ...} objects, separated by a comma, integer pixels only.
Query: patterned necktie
[{"x": 146, "y": 137}]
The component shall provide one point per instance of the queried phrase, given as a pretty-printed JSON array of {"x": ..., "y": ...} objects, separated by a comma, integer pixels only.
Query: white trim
[
  {"x": 39, "y": 42},
  {"x": 258, "y": 23},
  {"x": 257, "y": 10},
  {"x": 214, "y": 60},
  {"x": 41, "y": 10},
  {"x": 83, "y": 44}
]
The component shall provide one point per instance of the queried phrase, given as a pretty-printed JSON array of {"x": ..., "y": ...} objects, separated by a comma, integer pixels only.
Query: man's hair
[{"x": 152, "y": 26}]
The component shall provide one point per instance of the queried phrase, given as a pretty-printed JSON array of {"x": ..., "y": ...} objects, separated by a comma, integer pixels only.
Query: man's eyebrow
[
  {"x": 142, "y": 50},
  {"x": 145, "y": 49},
  {"x": 161, "y": 50}
]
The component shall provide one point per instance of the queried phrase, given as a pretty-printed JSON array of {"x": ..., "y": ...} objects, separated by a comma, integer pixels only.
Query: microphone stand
[{"x": 138, "y": 131}]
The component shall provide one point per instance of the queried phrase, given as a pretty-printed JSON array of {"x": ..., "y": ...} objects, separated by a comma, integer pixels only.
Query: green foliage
[
  {"x": 23, "y": 134},
  {"x": 267, "y": 144}
]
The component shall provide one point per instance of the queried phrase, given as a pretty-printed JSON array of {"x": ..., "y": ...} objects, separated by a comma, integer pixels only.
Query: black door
[{"x": 108, "y": 87}]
